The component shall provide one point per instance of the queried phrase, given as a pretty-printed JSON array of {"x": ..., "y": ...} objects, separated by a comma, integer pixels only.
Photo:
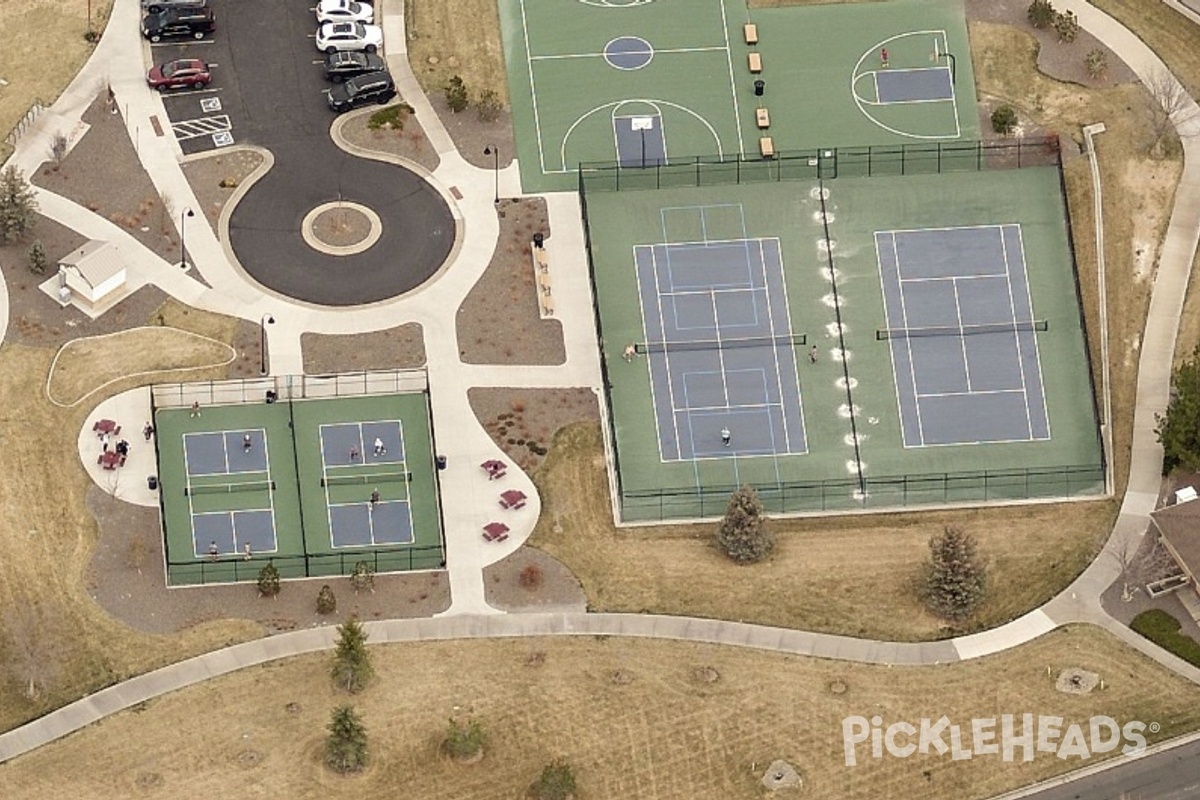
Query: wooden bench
[
  {"x": 542, "y": 258},
  {"x": 544, "y": 282},
  {"x": 766, "y": 147},
  {"x": 763, "y": 118},
  {"x": 548, "y": 305},
  {"x": 750, "y": 32},
  {"x": 755, "y": 61}
]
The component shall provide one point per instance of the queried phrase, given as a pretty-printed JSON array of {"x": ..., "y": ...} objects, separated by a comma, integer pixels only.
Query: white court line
[
  {"x": 537, "y": 117},
  {"x": 762, "y": 261},
  {"x": 646, "y": 100},
  {"x": 992, "y": 275},
  {"x": 1037, "y": 355},
  {"x": 975, "y": 393},
  {"x": 912, "y": 364},
  {"x": 662, "y": 133},
  {"x": 325, "y": 478},
  {"x": 720, "y": 350},
  {"x": 988, "y": 226},
  {"x": 1012, "y": 310},
  {"x": 270, "y": 493},
  {"x": 787, "y": 310},
  {"x": 654, "y": 51},
  {"x": 646, "y": 332},
  {"x": 888, "y": 321},
  {"x": 857, "y": 72},
  {"x": 737, "y": 108},
  {"x": 662, "y": 324},
  {"x": 962, "y": 338}
]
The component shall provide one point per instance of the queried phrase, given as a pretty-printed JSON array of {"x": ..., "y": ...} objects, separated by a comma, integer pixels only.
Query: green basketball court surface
[{"x": 665, "y": 81}]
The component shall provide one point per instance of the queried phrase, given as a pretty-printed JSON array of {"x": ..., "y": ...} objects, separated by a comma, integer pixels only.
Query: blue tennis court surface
[
  {"x": 235, "y": 517},
  {"x": 914, "y": 85},
  {"x": 721, "y": 350},
  {"x": 225, "y": 452},
  {"x": 962, "y": 335},
  {"x": 367, "y": 506}
]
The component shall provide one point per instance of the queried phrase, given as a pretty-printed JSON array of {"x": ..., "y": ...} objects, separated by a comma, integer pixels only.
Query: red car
[{"x": 184, "y": 73}]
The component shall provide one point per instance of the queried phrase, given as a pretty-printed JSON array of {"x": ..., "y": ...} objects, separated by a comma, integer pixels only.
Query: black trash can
[
  {"x": 441, "y": 462},
  {"x": 152, "y": 482},
  {"x": 760, "y": 86},
  {"x": 272, "y": 396},
  {"x": 539, "y": 240}
]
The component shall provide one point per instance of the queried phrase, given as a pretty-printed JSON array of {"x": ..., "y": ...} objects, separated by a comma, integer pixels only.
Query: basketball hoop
[{"x": 641, "y": 123}]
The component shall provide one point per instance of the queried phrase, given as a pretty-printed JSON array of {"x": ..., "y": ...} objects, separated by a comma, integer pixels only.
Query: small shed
[{"x": 92, "y": 272}]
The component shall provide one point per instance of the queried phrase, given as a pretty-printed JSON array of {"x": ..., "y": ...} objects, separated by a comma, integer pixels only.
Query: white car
[
  {"x": 335, "y": 36},
  {"x": 344, "y": 11}
]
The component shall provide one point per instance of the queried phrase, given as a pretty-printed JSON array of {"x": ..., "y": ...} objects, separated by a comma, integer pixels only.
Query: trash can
[
  {"x": 760, "y": 86},
  {"x": 272, "y": 396},
  {"x": 539, "y": 240},
  {"x": 441, "y": 462},
  {"x": 152, "y": 482}
]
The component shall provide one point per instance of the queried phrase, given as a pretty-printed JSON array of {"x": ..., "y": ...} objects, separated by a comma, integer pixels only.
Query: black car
[
  {"x": 155, "y": 6},
  {"x": 179, "y": 23},
  {"x": 374, "y": 87},
  {"x": 348, "y": 63}
]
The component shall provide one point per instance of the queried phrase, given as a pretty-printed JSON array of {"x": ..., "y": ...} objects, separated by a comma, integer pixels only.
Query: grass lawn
[
  {"x": 85, "y": 365},
  {"x": 638, "y": 719},
  {"x": 48, "y": 544},
  {"x": 1163, "y": 629},
  {"x": 40, "y": 66},
  {"x": 456, "y": 37}
]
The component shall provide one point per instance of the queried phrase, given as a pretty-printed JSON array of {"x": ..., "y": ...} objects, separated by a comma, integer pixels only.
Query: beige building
[{"x": 92, "y": 276}]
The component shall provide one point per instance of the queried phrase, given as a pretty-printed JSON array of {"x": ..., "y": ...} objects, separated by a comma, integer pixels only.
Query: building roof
[
  {"x": 1179, "y": 526},
  {"x": 96, "y": 261}
]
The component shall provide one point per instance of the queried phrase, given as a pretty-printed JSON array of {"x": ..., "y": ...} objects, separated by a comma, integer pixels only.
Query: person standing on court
[
  {"x": 812, "y": 355},
  {"x": 725, "y": 436},
  {"x": 379, "y": 448},
  {"x": 247, "y": 443},
  {"x": 883, "y": 57},
  {"x": 353, "y": 452},
  {"x": 195, "y": 409},
  {"x": 630, "y": 352},
  {"x": 374, "y": 498}
]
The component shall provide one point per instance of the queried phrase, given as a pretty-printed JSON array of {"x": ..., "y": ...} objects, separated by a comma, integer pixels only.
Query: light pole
[
  {"x": 266, "y": 320},
  {"x": 491, "y": 150},
  {"x": 187, "y": 212}
]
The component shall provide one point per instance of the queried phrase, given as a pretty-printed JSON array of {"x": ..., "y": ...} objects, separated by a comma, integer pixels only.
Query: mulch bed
[
  {"x": 341, "y": 227},
  {"x": 409, "y": 142},
  {"x": 523, "y": 421}
]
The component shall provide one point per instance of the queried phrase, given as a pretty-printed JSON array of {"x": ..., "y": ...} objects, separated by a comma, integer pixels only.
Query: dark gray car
[
  {"x": 374, "y": 87},
  {"x": 155, "y": 6},
  {"x": 346, "y": 64}
]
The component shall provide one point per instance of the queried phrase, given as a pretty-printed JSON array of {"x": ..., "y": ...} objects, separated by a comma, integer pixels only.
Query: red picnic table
[
  {"x": 103, "y": 426},
  {"x": 111, "y": 459},
  {"x": 494, "y": 469},
  {"x": 513, "y": 498},
  {"x": 495, "y": 531}
]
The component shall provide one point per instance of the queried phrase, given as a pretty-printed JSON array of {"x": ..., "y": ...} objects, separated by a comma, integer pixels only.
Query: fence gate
[{"x": 827, "y": 164}]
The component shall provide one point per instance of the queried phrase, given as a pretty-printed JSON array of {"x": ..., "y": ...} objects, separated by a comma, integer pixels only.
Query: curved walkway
[{"x": 1079, "y": 603}]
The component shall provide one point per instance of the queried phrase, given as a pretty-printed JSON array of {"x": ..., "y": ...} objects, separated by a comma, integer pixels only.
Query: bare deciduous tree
[
  {"x": 33, "y": 651},
  {"x": 1169, "y": 98}
]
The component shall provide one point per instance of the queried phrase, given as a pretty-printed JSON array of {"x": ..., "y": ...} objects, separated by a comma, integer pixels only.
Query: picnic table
[
  {"x": 103, "y": 426},
  {"x": 111, "y": 459},
  {"x": 495, "y": 532},
  {"x": 494, "y": 468},
  {"x": 513, "y": 498}
]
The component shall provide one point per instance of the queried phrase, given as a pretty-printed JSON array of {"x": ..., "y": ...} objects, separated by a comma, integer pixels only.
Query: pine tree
[
  {"x": 557, "y": 782},
  {"x": 743, "y": 534},
  {"x": 326, "y": 600},
  {"x": 346, "y": 745},
  {"x": 456, "y": 94},
  {"x": 1040, "y": 13},
  {"x": 352, "y": 668},
  {"x": 268, "y": 580},
  {"x": 18, "y": 205},
  {"x": 36, "y": 255},
  {"x": 954, "y": 580},
  {"x": 1179, "y": 428}
]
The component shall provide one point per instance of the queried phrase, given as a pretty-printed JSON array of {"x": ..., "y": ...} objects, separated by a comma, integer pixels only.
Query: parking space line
[{"x": 201, "y": 126}]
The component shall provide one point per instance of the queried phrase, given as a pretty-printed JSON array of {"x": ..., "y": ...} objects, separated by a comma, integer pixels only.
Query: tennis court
[
  {"x": 308, "y": 480},
  {"x": 662, "y": 82},
  {"x": 900, "y": 339}
]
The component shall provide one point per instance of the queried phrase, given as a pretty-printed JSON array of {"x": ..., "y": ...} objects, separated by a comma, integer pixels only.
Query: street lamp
[
  {"x": 187, "y": 212},
  {"x": 494, "y": 152},
  {"x": 266, "y": 320}
]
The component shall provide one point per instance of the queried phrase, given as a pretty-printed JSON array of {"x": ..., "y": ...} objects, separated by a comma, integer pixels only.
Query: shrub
[
  {"x": 346, "y": 745},
  {"x": 464, "y": 740},
  {"x": 363, "y": 577},
  {"x": 326, "y": 601},
  {"x": 954, "y": 579},
  {"x": 456, "y": 94},
  {"x": 1066, "y": 25},
  {"x": 268, "y": 580},
  {"x": 1178, "y": 428},
  {"x": 36, "y": 256},
  {"x": 531, "y": 576},
  {"x": 1096, "y": 62},
  {"x": 488, "y": 106},
  {"x": 1163, "y": 629},
  {"x": 1040, "y": 13},
  {"x": 1004, "y": 120},
  {"x": 391, "y": 117},
  {"x": 557, "y": 782},
  {"x": 742, "y": 534}
]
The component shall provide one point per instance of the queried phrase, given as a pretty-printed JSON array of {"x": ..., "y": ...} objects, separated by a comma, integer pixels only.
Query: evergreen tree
[
  {"x": 456, "y": 94},
  {"x": 743, "y": 534},
  {"x": 18, "y": 205},
  {"x": 1040, "y": 13},
  {"x": 954, "y": 580},
  {"x": 352, "y": 668},
  {"x": 346, "y": 745},
  {"x": 36, "y": 256},
  {"x": 1179, "y": 428},
  {"x": 557, "y": 782},
  {"x": 268, "y": 580}
]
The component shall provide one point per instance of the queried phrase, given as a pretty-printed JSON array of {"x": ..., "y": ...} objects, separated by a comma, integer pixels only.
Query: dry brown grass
[
  {"x": 818, "y": 578},
  {"x": 460, "y": 37},
  {"x": 1138, "y": 193},
  {"x": 41, "y": 49},
  {"x": 86, "y": 365},
  {"x": 49, "y": 537},
  {"x": 660, "y": 731}
]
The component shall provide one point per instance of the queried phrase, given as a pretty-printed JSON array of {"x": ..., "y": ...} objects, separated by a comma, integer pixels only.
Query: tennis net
[
  {"x": 362, "y": 479},
  {"x": 794, "y": 340},
  {"x": 883, "y": 334},
  {"x": 229, "y": 488}
]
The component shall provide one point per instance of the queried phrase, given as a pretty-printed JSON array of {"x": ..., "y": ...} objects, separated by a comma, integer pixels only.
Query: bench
[
  {"x": 763, "y": 118},
  {"x": 755, "y": 61},
  {"x": 544, "y": 281},
  {"x": 750, "y": 32},
  {"x": 766, "y": 147},
  {"x": 548, "y": 305},
  {"x": 542, "y": 258}
]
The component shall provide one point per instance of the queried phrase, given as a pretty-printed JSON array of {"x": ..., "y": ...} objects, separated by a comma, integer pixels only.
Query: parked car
[
  {"x": 183, "y": 73},
  {"x": 344, "y": 11},
  {"x": 179, "y": 23},
  {"x": 346, "y": 64},
  {"x": 155, "y": 6},
  {"x": 361, "y": 90},
  {"x": 334, "y": 36}
]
